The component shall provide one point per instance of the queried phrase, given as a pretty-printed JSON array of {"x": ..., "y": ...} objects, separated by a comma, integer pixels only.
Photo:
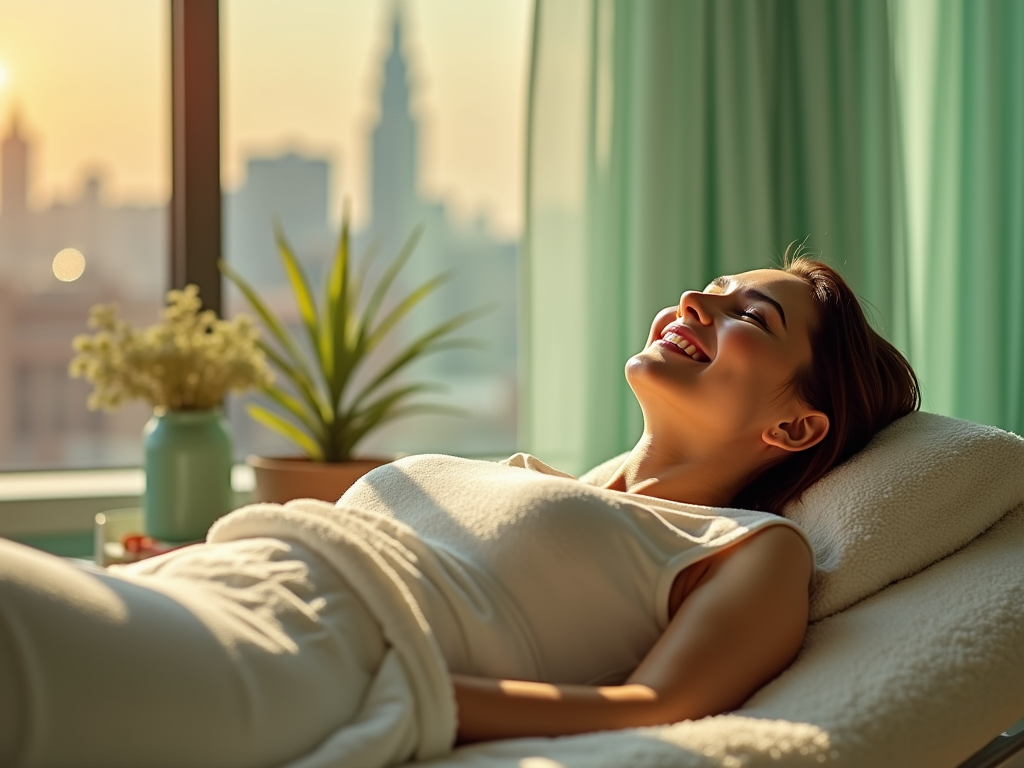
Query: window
[
  {"x": 317, "y": 99},
  {"x": 84, "y": 132}
]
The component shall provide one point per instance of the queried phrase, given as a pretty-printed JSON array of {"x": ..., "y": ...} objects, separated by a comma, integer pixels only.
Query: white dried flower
[{"x": 189, "y": 361}]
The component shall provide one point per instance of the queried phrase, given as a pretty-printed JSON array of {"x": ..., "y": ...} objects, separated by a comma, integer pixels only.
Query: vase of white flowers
[{"x": 183, "y": 366}]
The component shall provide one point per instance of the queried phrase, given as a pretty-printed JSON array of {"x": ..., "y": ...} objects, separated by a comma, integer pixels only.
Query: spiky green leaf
[
  {"x": 365, "y": 263},
  {"x": 387, "y": 400},
  {"x": 301, "y": 290},
  {"x": 286, "y": 429},
  {"x": 370, "y": 339},
  {"x": 300, "y": 380},
  {"x": 290, "y": 348},
  {"x": 313, "y": 424},
  {"x": 430, "y": 342},
  {"x": 358, "y": 432},
  {"x": 369, "y": 315},
  {"x": 339, "y": 311}
]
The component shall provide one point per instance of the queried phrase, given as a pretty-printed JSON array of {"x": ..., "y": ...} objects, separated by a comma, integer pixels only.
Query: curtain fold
[
  {"x": 965, "y": 173},
  {"x": 671, "y": 141}
]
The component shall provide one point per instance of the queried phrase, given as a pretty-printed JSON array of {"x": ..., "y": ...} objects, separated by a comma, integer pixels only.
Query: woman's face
[{"x": 717, "y": 365}]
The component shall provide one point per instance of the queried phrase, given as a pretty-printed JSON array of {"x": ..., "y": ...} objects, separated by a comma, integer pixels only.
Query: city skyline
[
  {"x": 43, "y": 421},
  {"x": 93, "y": 96}
]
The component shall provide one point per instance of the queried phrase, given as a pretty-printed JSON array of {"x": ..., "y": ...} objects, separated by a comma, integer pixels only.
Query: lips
[{"x": 682, "y": 338}]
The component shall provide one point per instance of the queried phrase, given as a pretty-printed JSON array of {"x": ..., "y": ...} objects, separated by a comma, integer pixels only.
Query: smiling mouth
[{"x": 685, "y": 346}]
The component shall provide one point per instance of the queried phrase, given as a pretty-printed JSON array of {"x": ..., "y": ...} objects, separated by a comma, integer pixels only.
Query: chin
[
  {"x": 638, "y": 366},
  {"x": 651, "y": 379},
  {"x": 652, "y": 361}
]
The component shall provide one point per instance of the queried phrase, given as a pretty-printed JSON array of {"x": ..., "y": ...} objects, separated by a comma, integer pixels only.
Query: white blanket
[{"x": 410, "y": 708}]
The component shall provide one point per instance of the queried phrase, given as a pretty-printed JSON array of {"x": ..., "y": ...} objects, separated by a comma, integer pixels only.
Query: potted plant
[
  {"x": 183, "y": 367},
  {"x": 323, "y": 409}
]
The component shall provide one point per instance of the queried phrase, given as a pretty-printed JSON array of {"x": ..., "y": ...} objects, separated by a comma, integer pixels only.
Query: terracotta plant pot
[{"x": 283, "y": 479}]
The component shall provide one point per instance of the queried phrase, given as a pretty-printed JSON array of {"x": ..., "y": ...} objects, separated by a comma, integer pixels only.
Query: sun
[{"x": 3, "y": 75}]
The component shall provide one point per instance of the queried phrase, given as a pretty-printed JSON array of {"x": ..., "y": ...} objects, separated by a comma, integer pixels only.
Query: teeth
[{"x": 685, "y": 346}]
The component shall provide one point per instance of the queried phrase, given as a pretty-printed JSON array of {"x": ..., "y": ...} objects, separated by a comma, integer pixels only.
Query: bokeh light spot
[{"x": 68, "y": 265}]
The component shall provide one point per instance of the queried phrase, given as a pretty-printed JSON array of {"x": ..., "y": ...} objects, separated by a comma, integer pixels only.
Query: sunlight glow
[
  {"x": 3, "y": 76},
  {"x": 68, "y": 265}
]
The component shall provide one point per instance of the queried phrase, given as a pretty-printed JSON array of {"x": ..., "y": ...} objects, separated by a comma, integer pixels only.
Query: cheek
[
  {"x": 744, "y": 352},
  {"x": 754, "y": 364}
]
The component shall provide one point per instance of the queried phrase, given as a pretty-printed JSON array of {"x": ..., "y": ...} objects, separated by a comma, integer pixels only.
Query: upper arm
[{"x": 740, "y": 625}]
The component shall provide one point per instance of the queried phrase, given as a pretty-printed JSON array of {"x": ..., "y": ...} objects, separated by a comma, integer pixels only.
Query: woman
[{"x": 751, "y": 390}]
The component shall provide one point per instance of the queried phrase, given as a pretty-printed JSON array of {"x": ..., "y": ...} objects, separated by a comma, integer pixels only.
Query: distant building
[
  {"x": 396, "y": 205},
  {"x": 292, "y": 191},
  {"x": 14, "y": 155},
  {"x": 43, "y": 418}
]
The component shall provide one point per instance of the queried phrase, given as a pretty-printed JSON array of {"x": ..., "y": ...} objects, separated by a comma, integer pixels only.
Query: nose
[{"x": 693, "y": 305}]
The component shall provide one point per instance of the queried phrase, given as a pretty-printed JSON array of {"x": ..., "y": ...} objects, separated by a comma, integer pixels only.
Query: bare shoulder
[
  {"x": 771, "y": 567},
  {"x": 773, "y": 547},
  {"x": 767, "y": 572},
  {"x": 739, "y": 625}
]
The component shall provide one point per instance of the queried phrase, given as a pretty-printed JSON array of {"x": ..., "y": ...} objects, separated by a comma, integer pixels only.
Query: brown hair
[{"x": 855, "y": 376}]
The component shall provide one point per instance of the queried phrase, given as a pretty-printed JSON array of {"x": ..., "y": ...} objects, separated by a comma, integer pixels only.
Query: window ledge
[
  {"x": 77, "y": 484},
  {"x": 36, "y": 503}
]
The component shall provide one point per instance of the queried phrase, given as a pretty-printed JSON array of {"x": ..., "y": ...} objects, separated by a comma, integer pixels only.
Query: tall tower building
[
  {"x": 14, "y": 216},
  {"x": 395, "y": 152},
  {"x": 14, "y": 168}
]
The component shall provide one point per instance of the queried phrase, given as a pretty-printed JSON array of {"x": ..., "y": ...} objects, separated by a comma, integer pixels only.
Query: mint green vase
[{"x": 188, "y": 459}]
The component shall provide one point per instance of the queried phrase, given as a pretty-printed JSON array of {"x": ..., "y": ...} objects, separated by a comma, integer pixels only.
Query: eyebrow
[{"x": 724, "y": 283}]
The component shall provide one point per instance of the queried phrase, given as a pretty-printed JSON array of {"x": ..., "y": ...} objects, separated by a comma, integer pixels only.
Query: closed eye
[{"x": 756, "y": 317}]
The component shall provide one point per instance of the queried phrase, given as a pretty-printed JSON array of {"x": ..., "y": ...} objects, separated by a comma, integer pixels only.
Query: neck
[{"x": 712, "y": 478}]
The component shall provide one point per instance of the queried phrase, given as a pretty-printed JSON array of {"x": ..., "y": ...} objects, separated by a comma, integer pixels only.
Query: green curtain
[
  {"x": 961, "y": 92},
  {"x": 671, "y": 141}
]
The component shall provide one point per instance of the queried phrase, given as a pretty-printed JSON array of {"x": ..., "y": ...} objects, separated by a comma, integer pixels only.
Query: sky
[{"x": 90, "y": 82}]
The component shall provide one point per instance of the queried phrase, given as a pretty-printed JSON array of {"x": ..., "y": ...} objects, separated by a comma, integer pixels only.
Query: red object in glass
[{"x": 138, "y": 546}]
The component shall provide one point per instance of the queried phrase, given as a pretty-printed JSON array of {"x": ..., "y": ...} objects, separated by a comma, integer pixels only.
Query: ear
[{"x": 803, "y": 432}]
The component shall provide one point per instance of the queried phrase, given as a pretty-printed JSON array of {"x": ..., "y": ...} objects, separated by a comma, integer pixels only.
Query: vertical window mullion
[{"x": 195, "y": 210}]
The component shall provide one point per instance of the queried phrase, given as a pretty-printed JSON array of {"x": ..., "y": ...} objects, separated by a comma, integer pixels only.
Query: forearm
[{"x": 500, "y": 709}]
